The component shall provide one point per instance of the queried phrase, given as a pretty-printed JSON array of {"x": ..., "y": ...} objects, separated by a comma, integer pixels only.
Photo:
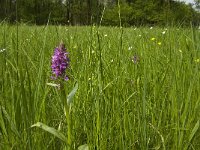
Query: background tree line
[{"x": 87, "y": 12}]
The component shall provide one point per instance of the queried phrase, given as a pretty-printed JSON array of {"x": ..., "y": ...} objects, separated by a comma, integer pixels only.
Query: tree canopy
[{"x": 87, "y": 12}]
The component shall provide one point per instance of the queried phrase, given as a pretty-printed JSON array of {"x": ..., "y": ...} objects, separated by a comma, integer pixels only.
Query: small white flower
[
  {"x": 151, "y": 27},
  {"x": 2, "y": 50},
  {"x": 111, "y": 60},
  {"x": 139, "y": 35},
  {"x": 130, "y": 48},
  {"x": 105, "y": 35},
  {"x": 28, "y": 40},
  {"x": 163, "y": 32}
]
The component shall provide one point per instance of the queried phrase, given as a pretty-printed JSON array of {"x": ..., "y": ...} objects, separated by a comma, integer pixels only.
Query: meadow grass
[{"x": 138, "y": 88}]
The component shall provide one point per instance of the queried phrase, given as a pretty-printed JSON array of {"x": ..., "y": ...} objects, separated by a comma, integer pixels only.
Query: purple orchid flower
[{"x": 60, "y": 62}]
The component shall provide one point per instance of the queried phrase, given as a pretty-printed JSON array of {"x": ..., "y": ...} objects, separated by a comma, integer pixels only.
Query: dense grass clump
[{"x": 138, "y": 88}]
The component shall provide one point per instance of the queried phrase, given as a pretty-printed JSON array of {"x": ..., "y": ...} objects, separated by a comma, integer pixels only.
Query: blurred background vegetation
[{"x": 88, "y": 12}]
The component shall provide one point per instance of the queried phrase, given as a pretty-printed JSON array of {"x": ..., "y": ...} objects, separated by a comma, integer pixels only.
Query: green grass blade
[
  {"x": 13, "y": 126},
  {"x": 2, "y": 124},
  {"x": 194, "y": 130}
]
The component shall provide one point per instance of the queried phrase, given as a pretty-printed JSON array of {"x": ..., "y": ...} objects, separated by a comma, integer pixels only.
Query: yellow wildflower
[
  {"x": 197, "y": 60},
  {"x": 153, "y": 39},
  {"x": 159, "y": 43}
]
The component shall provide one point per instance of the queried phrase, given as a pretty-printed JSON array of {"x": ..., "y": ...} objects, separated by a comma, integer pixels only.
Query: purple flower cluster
[{"x": 60, "y": 62}]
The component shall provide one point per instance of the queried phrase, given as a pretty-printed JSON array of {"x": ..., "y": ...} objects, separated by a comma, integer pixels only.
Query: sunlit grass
[{"x": 138, "y": 87}]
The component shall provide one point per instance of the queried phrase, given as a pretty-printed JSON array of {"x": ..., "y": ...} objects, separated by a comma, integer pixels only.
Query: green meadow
[{"x": 132, "y": 88}]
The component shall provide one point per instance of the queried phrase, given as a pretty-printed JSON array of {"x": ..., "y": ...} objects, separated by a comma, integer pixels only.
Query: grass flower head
[{"x": 135, "y": 59}]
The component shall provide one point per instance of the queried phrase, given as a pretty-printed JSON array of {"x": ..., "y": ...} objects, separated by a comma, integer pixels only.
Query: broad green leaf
[
  {"x": 83, "y": 147},
  {"x": 53, "y": 84},
  {"x": 71, "y": 94},
  {"x": 51, "y": 130}
]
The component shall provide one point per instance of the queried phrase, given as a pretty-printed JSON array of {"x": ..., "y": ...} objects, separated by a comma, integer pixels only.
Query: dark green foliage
[{"x": 87, "y": 12}]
